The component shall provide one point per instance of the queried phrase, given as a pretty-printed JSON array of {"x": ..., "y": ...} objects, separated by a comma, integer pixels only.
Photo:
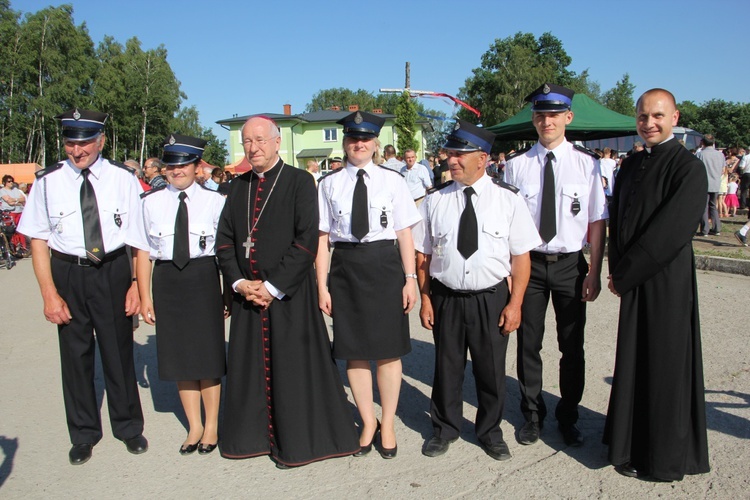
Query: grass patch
[{"x": 734, "y": 254}]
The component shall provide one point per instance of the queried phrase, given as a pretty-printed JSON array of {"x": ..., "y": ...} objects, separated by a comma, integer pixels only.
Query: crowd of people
[{"x": 485, "y": 241}]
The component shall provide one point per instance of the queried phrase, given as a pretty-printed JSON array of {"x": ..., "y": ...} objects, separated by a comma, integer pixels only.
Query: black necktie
[
  {"x": 92, "y": 228},
  {"x": 360, "y": 221},
  {"x": 547, "y": 224},
  {"x": 181, "y": 250},
  {"x": 467, "y": 227}
]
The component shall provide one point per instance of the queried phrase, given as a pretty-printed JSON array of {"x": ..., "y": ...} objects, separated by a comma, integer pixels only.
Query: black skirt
[
  {"x": 366, "y": 283},
  {"x": 189, "y": 320}
]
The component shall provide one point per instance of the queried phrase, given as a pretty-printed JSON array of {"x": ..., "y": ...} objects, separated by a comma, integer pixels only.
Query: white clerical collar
[{"x": 671, "y": 136}]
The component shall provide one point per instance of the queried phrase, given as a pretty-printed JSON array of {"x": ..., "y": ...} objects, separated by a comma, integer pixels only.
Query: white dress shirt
[
  {"x": 577, "y": 179},
  {"x": 505, "y": 228},
  {"x": 388, "y": 198},
  {"x": 160, "y": 211},
  {"x": 53, "y": 209}
]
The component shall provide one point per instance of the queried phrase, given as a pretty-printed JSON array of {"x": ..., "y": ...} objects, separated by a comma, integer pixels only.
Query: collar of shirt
[
  {"x": 671, "y": 136},
  {"x": 189, "y": 191},
  {"x": 95, "y": 168},
  {"x": 560, "y": 152},
  {"x": 479, "y": 185},
  {"x": 351, "y": 170}
]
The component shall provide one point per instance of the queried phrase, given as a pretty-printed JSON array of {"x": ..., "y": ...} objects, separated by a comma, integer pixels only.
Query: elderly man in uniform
[
  {"x": 476, "y": 232},
  {"x": 562, "y": 186},
  {"x": 85, "y": 211}
]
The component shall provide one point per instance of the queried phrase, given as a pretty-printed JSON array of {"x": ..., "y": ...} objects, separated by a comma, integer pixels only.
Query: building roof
[{"x": 325, "y": 115}]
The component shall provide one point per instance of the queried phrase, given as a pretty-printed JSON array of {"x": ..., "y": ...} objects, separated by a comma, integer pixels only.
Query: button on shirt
[
  {"x": 159, "y": 213},
  {"x": 418, "y": 179},
  {"x": 505, "y": 228},
  {"x": 577, "y": 179},
  {"x": 387, "y": 196},
  {"x": 53, "y": 209}
]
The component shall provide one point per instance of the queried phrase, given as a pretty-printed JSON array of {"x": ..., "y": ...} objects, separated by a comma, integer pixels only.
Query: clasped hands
[{"x": 255, "y": 291}]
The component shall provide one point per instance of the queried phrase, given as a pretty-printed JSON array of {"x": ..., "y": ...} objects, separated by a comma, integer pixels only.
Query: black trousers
[
  {"x": 563, "y": 281},
  {"x": 96, "y": 299},
  {"x": 712, "y": 213},
  {"x": 744, "y": 190},
  {"x": 468, "y": 321}
]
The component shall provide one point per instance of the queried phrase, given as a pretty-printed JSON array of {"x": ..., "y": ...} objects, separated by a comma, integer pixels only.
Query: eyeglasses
[{"x": 258, "y": 142}]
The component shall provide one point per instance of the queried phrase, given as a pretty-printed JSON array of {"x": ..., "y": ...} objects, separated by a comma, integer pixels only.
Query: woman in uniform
[
  {"x": 180, "y": 221},
  {"x": 364, "y": 210}
]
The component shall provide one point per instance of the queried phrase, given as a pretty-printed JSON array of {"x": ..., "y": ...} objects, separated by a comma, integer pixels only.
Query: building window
[{"x": 330, "y": 135}]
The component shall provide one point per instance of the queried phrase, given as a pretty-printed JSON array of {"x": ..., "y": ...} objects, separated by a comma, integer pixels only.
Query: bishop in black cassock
[
  {"x": 284, "y": 396},
  {"x": 656, "y": 422}
]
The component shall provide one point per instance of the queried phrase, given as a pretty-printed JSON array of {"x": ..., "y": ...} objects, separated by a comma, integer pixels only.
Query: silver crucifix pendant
[{"x": 248, "y": 245}]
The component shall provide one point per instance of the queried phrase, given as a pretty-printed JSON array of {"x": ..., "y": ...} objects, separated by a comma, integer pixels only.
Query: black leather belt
[
  {"x": 373, "y": 244},
  {"x": 551, "y": 257},
  {"x": 83, "y": 261},
  {"x": 437, "y": 286}
]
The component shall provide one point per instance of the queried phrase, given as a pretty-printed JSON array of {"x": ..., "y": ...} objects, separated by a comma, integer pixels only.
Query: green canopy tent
[{"x": 591, "y": 120}]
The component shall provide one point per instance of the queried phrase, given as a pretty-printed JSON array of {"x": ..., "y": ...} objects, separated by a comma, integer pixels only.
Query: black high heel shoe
[
  {"x": 387, "y": 452},
  {"x": 205, "y": 449},
  {"x": 364, "y": 450}
]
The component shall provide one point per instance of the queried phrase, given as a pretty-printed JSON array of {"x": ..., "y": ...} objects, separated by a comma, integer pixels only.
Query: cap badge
[
  {"x": 76, "y": 115},
  {"x": 172, "y": 140},
  {"x": 457, "y": 126},
  {"x": 546, "y": 89},
  {"x": 358, "y": 118}
]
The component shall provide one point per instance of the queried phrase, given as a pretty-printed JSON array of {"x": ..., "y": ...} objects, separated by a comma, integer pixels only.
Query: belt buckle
[
  {"x": 551, "y": 257},
  {"x": 83, "y": 261}
]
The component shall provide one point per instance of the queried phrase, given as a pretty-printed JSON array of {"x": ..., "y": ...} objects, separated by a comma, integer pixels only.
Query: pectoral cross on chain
[{"x": 248, "y": 245}]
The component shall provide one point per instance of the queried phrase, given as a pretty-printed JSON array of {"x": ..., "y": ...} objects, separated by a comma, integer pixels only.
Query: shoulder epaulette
[
  {"x": 517, "y": 153},
  {"x": 41, "y": 173},
  {"x": 123, "y": 166},
  {"x": 503, "y": 184},
  {"x": 386, "y": 168},
  {"x": 437, "y": 188},
  {"x": 584, "y": 149},
  {"x": 152, "y": 191},
  {"x": 330, "y": 173}
]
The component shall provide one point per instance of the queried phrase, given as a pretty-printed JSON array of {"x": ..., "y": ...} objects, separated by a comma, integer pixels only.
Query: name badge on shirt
[
  {"x": 118, "y": 220},
  {"x": 202, "y": 242},
  {"x": 383, "y": 218},
  {"x": 575, "y": 207}
]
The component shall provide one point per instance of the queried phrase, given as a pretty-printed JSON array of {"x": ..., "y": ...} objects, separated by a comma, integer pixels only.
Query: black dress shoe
[
  {"x": 627, "y": 469},
  {"x": 364, "y": 450},
  {"x": 188, "y": 449},
  {"x": 80, "y": 453},
  {"x": 436, "y": 446},
  {"x": 281, "y": 466},
  {"x": 498, "y": 451},
  {"x": 529, "y": 433},
  {"x": 571, "y": 435},
  {"x": 136, "y": 445},
  {"x": 205, "y": 449}
]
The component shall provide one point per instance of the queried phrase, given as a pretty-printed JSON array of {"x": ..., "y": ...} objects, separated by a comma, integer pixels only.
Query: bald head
[
  {"x": 656, "y": 115},
  {"x": 261, "y": 141}
]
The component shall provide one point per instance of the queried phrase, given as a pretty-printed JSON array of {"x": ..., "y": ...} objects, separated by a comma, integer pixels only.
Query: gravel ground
[{"x": 34, "y": 441}]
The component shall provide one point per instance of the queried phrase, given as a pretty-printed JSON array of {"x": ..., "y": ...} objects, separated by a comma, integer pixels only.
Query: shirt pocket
[
  {"x": 203, "y": 232},
  {"x": 62, "y": 215},
  {"x": 381, "y": 212},
  {"x": 162, "y": 236},
  {"x": 530, "y": 194},
  {"x": 575, "y": 201},
  {"x": 114, "y": 216},
  {"x": 341, "y": 216},
  {"x": 495, "y": 232}
]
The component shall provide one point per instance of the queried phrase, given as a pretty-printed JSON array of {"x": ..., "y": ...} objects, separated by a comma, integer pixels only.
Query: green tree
[
  {"x": 406, "y": 124},
  {"x": 729, "y": 122},
  {"x": 511, "y": 69},
  {"x": 620, "y": 97},
  {"x": 11, "y": 132},
  {"x": 187, "y": 122}
]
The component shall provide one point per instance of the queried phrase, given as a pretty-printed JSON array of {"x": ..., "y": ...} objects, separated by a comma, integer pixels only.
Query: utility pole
[{"x": 408, "y": 75}]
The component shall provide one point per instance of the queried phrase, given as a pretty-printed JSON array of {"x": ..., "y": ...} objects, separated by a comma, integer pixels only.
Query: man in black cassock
[
  {"x": 284, "y": 396},
  {"x": 656, "y": 422}
]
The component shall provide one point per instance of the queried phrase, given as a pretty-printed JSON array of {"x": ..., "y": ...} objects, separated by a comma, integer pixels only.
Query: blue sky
[{"x": 244, "y": 56}]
